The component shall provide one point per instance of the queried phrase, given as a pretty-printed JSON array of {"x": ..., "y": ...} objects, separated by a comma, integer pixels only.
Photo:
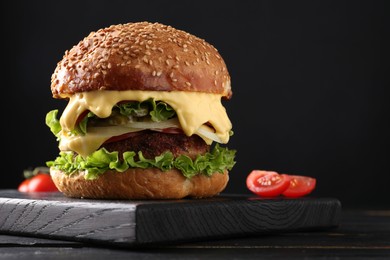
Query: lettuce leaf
[
  {"x": 217, "y": 160},
  {"x": 52, "y": 122},
  {"x": 158, "y": 111}
]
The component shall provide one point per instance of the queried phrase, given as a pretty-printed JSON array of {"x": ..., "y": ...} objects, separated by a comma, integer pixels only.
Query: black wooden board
[{"x": 136, "y": 222}]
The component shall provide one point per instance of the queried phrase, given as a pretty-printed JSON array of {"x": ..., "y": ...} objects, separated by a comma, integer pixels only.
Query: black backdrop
[{"x": 310, "y": 93}]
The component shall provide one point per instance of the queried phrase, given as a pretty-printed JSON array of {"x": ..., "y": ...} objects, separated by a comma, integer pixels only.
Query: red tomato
[
  {"x": 267, "y": 183},
  {"x": 23, "y": 187},
  {"x": 121, "y": 137},
  {"x": 37, "y": 183},
  {"x": 300, "y": 186}
]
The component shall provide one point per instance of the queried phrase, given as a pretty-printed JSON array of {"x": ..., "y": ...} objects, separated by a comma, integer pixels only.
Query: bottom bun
[{"x": 150, "y": 183}]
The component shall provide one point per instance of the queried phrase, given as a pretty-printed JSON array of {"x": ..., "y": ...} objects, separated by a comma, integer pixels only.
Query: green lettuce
[
  {"x": 217, "y": 160},
  {"x": 157, "y": 111},
  {"x": 52, "y": 122}
]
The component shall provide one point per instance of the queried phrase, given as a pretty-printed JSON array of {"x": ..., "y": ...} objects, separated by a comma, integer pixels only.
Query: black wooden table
[{"x": 362, "y": 234}]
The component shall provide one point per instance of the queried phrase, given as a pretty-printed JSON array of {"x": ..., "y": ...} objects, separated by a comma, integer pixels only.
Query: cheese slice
[{"x": 193, "y": 109}]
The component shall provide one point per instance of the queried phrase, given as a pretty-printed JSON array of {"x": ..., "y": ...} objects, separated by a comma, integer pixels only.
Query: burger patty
[{"x": 153, "y": 144}]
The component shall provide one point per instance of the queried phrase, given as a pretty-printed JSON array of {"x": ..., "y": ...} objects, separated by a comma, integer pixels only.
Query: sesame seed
[
  {"x": 147, "y": 53},
  {"x": 175, "y": 66},
  {"x": 159, "y": 73},
  {"x": 187, "y": 63},
  {"x": 171, "y": 75},
  {"x": 96, "y": 75},
  {"x": 154, "y": 73},
  {"x": 150, "y": 62},
  {"x": 188, "y": 83},
  {"x": 174, "y": 80},
  {"x": 167, "y": 62}
]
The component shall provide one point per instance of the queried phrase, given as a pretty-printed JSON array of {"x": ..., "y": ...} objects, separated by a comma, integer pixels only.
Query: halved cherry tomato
[
  {"x": 267, "y": 183},
  {"x": 300, "y": 186},
  {"x": 38, "y": 183}
]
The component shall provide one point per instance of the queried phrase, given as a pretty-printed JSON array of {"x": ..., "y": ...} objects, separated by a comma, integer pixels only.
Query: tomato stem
[{"x": 29, "y": 173}]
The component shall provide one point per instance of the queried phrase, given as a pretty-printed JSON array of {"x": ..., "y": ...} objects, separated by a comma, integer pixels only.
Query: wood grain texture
[
  {"x": 361, "y": 234},
  {"x": 130, "y": 223},
  {"x": 68, "y": 219},
  {"x": 233, "y": 217}
]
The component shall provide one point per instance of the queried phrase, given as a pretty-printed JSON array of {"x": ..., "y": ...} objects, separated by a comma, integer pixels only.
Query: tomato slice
[
  {"x": 267, "y": 183},
  {"x": 121, "y": 137},
  {"x": 81, "y": 117},
  {"x": 300, "y": 186},
  {"x": 171, "y": 130}
]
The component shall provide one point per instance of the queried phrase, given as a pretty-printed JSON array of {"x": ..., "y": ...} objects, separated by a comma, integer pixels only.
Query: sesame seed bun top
[{"x": 141, "y": 56}]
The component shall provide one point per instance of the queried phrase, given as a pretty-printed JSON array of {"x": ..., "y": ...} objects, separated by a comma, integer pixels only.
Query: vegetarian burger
[{"x": 144, "y": 118}]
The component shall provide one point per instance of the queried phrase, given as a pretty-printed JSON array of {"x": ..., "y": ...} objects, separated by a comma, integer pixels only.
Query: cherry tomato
[
  {"x": 300, "y": 186},
  {"x": 37, "y": 183},
  {"x": 23, "y": 187},
  {"x": 267, "y": 183}
]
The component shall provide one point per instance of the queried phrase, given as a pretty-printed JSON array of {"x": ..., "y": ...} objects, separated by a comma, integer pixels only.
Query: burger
[{"x": 144, "y": 118}]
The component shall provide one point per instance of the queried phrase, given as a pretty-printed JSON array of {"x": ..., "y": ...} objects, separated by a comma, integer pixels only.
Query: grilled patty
[{"x": 153, "y": 144}]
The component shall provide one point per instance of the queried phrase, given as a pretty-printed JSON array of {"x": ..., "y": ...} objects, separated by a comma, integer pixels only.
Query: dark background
[{"x": 310, "y": 93}]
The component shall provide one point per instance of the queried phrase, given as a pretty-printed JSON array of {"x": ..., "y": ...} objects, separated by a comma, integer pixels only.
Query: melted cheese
[{"x": 194, "y": 109}]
